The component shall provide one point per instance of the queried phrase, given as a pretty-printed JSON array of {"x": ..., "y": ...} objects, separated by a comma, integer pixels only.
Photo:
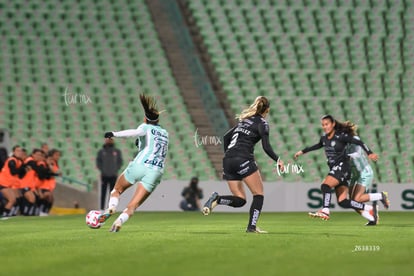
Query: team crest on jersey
[{"x": 333, "y": 144}]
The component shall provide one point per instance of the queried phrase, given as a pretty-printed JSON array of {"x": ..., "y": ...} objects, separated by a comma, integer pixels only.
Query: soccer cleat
[
  {"x": 370, "y": 223},
  {"x": 385, "y": 200},
  {"x": 319, "y": 214},
  {"x": 256, "y": 230},
  {"x": 375, "y": 214},
  {"x": 116, "y": 226},
  {"x": 106, "y": 215},
  {"x": 208, "y": 206}
]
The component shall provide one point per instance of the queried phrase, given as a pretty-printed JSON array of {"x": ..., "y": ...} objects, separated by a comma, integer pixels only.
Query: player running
[
  {"x": 361, "y": 180},
  {"x": 334, "y": 141},
  {"x": 239, "y": 163},
  {"x": 146, "y": 169}
]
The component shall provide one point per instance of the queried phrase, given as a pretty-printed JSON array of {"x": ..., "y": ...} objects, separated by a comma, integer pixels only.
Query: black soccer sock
[
  {"x": 233, "y": 201},
  {"x": 42, "y": 206},
  {"x": 6, "y": 212},
  {"x": 346, "y": 203},
  {"x": 255, "y": 210},
  {"x": 31, "y": 210},
  {"x": 16, "y": 207},
  {"x": 326, "y": 193},
  {"x": 36, "y": 210},
  {"x": 24, "y": 206},
  {"x": 48, "y": 206}
]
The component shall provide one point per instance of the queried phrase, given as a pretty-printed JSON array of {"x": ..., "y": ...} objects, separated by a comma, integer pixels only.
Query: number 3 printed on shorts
[{"x": 233, "y": 140}]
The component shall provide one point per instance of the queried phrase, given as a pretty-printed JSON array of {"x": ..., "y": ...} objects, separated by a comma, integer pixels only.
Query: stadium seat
[
  {"x": 348, "y": 58},
  {"x": 109, "y": 52}
]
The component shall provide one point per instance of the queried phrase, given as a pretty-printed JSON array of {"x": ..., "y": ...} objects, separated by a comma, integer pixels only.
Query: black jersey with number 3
[
  {"x": 335, "y": 148},
  {"x": 241, "y": 139}
]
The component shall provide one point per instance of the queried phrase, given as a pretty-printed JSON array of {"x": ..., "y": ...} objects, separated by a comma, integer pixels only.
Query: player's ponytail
[
  {"x": 259, "y": 106},
  {"x": 150, "y": 108},
  {"x": 344, "y": 127}
]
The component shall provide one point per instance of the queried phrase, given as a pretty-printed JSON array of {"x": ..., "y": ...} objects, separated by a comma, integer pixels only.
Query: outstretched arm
[
  {"x": 126, "y": 133},
  {"x": 264, "y": 134},
  {"x": 308, "y": 149}
]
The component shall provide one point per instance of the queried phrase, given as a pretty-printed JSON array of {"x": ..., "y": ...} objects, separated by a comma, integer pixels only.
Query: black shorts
[
  {"x": 341, "y": 172},
  {"x": 25, "y": 190},
  {"x": 236, "y": 168}
]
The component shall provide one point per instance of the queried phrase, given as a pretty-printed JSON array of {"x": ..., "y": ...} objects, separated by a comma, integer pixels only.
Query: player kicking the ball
[
  {"x": 146, "y": 169},
  {"x": 239, "y": 164}
]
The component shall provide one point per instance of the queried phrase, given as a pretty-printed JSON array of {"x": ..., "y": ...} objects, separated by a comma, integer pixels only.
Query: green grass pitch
[{"x": 169, "y": 243}]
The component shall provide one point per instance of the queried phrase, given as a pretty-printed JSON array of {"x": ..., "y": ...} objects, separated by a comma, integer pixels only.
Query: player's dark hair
[
  {"x": 53, "y": 151},
  {"x": 35, "y": 150},
  {"x": 343, "y": 127},
  {"x": 15, "y": 147},
  {"x": 150, "y": 108}
]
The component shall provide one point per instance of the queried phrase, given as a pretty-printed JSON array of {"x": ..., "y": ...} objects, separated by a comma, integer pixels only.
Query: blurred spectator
[
  {"x": 48, "y": 185},
  {"x": 108, "y": 161},
  {"x": 24, "y": 155},
  {"x": 45, "y": 148},
  {"x": 29, "y": 182},
  {"x": 3, "y": 156},
  {"x": 192, "y": 195},
  {"x": 10, "y": 178}
]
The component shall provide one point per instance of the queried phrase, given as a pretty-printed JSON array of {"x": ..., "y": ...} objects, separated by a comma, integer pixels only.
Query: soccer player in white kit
[
  {"x": 361, "y": 180},
  {"x": 146, "y": 169}
]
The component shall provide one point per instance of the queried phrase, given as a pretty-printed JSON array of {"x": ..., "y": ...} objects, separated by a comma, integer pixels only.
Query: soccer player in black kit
[
  {"x": 239, "y": 163},
  {"x": 334, "y": 141}
]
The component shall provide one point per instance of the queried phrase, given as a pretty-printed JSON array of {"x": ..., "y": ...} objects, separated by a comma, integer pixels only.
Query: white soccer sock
[
  {"x": 113, "y": 203},
  {"x": 367, "y": 215},
  {"x": 123, "y": 217},
  {"x": 325, "y": 210},
  {"x": 367, "y": 207},
  {"x": 375, "y": 196}
]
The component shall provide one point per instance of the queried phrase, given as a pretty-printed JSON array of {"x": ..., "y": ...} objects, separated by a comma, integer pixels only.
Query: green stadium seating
[
  {"x": 352, "y": 59},
  {"x": 107, "y": 50}
]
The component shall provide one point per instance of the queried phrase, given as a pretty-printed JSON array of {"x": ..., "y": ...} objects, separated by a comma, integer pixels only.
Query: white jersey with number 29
[{"x": 153, "y": 145}]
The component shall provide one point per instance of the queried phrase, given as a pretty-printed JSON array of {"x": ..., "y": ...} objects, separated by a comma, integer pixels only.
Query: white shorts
[{"x": 149, "y": 178}]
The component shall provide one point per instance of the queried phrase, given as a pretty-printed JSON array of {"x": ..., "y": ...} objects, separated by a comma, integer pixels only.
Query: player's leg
[
  {"x": 27, "y": 204},
  {"x": 140, "y": 195},
  {"x": 120, "y": 186},
  {"x": 148, "y": 180},
  {"x": 46, "y": 202},
  {"x": 328, "y": 184},
  {"x": 365, "y": 182},
  {"x": 9, "y": 195},
  {"x": 343, "y": 201},
  {"x": 255, "y": 184},
  {"x": 231, "y": 172},
  {"x": 236, "y": 200},
  {"x": 16, "y": 207},
  {"x": 358, "y": 193}
]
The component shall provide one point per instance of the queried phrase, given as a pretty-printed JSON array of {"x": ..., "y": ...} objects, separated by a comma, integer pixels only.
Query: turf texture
[{"x": 188, "y": 243}]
